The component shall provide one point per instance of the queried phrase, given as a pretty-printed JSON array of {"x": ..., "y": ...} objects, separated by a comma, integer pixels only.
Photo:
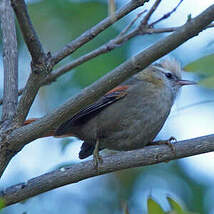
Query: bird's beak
[{"x": 186, "y": 82}]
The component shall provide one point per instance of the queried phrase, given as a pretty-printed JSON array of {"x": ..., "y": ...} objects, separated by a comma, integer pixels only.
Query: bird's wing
[
  {"x": 91, "y": 110},
  {"x": 109, "y": 98}
]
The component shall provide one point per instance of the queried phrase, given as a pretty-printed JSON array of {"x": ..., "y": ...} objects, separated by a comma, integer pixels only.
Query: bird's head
[{"x": 166, "y": 73}]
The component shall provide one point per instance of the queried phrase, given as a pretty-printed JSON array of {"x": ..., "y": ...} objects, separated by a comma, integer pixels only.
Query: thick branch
[
  {"x": 122, "y": 160},
  {"x": 29, "y": 33},
  {"x": 28, "y": 95},
  {"x": 19, "y": 93},
  {"x": 21, "y": 136},
  {"x": 94, "y": 31},
  {"x": 10, "y": 60}
]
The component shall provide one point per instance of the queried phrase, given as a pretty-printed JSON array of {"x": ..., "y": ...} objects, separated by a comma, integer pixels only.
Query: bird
[{"x": 130, "y": 115}]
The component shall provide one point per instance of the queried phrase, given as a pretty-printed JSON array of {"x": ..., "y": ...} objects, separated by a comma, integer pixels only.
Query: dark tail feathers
[{"x": 86, "y": 150}]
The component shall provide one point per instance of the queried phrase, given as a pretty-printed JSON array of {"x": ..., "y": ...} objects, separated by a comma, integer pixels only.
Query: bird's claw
[
  {"x": 168, "y": 142},
  {"x": 97, "y": 159}
]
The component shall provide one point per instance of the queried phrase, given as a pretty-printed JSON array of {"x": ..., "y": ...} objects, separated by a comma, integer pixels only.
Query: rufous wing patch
[{"x": 119, "y": 88}]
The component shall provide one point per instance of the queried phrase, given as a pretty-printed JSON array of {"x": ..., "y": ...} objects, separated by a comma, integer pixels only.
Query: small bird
[{"x": 129, "y": 116}]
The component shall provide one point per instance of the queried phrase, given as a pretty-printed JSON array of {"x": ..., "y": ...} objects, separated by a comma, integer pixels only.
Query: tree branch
[
  {"x": 10, "y": 60},
  {"x": 40, "y": 61},
  {"x": 28, "y": 95},
  {"x": 167, "y": 15},
  {"x": 94, "y": 31},
  {"x": 151, "y": 11},
  {"x": 19, "y": 93},
  {"x": 122, "y": 160},
  {"x": 30, "y": 36}
]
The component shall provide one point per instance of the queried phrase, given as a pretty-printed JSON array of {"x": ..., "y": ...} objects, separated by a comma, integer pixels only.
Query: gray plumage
[{"x": 131, "y": 115}]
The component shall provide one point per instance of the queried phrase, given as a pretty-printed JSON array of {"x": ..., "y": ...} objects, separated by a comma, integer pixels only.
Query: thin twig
[
  {"x": 111, "y": 7},
  {"x": 160, "y": 30},
  {"x": 125, "y": 30},
  {"x": 151, "y": 11},
  {"x": 10, "y": 60},
  {"x": 165, "y": 16},
  {"x": 149, "y": 155},
  {"x": 94, "y": 31}
]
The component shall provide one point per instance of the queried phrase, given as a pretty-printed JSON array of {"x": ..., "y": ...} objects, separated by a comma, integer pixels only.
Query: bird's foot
[
  {"x": 168, "y": 142},
  {"x": 97, "y": 160},
  {"x": 96, "y": 157}
]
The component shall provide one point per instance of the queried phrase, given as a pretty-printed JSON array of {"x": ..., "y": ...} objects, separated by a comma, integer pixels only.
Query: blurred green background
[{"x": 188, "y": 181}]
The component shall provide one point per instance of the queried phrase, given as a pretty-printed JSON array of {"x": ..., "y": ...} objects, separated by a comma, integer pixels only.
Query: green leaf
[
  {"x": 154, "y": 207},
  {"x": 207, "y": 82},
  {"x": 204, "y": 65},
  {"x": 2, "y": 203},
  {"x": 175, "y": 206}
]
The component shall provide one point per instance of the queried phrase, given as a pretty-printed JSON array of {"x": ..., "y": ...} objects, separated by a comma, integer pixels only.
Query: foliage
[
  {"x": 175, "y": 207},
  {"x": 204, "y": 67},
  {"x": 154, "y": 207},
  {"x": 2, "y": 204}
]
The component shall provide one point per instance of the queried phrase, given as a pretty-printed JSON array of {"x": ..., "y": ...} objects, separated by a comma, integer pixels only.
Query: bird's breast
[{"x": 134, "y": 121}]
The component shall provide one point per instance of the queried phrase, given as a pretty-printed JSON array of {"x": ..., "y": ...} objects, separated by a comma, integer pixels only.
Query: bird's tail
[
  {"x": 86, "y": 150},
  {"x": 48, "y": 133}
]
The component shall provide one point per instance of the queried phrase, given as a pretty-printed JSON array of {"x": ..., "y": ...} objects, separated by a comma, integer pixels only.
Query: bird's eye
[{"x": 169, "y": 75}]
